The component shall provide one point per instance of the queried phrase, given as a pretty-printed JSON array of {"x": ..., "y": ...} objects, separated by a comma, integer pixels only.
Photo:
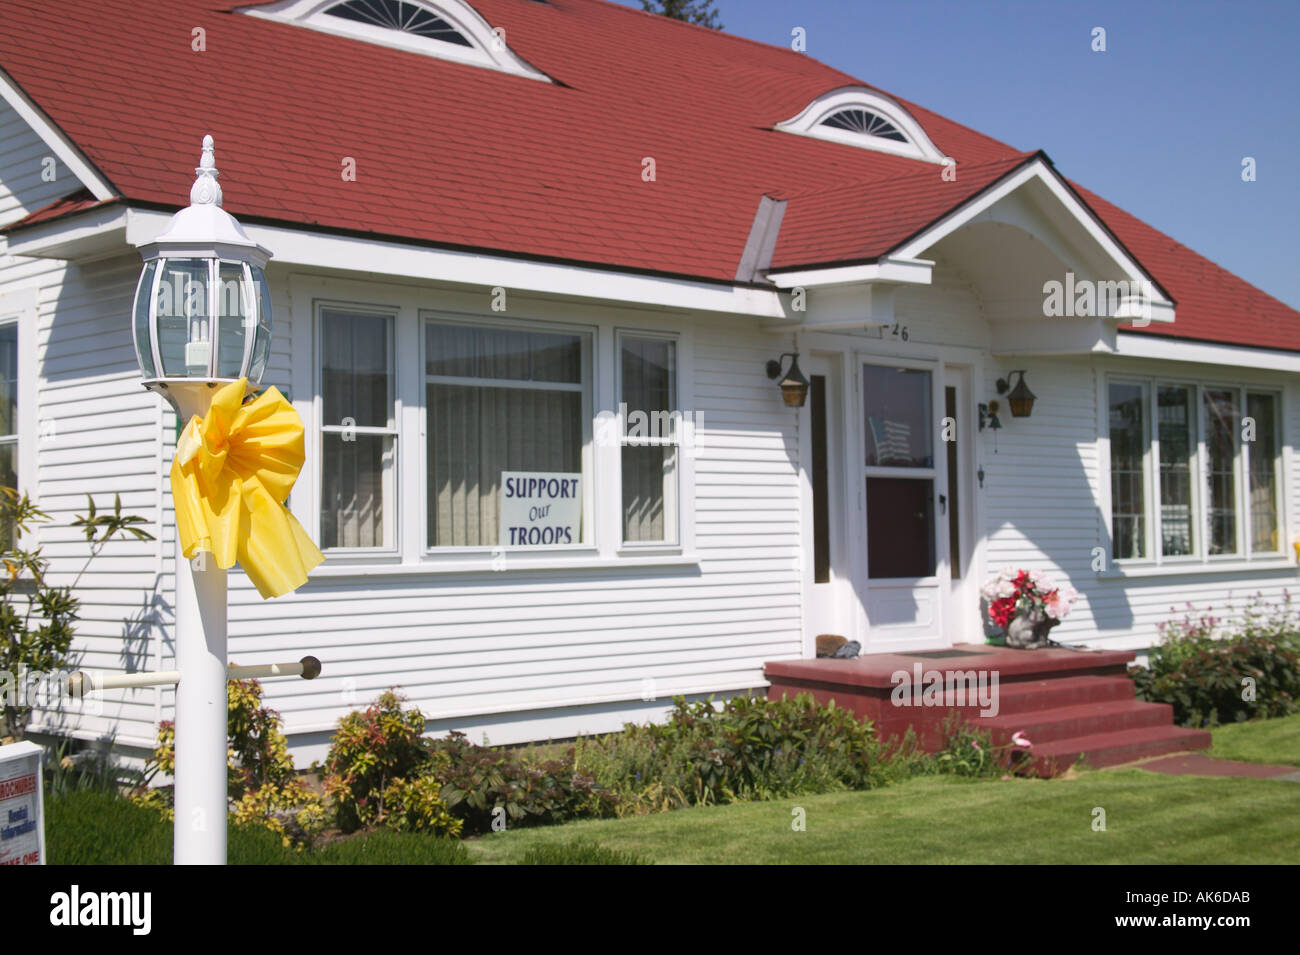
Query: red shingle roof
[
  {"x": 1213, "y": 304},
  {"x": 466, "y": 157},
  {"x": 863, "y": 221}
]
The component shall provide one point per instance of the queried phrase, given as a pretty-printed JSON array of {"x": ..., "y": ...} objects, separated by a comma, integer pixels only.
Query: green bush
[
  {"x": 580, "y": 853},
  {"x": 381, "y": 771},
  {"x": 969, "y": 751},
  {"x": 487, "y": 788},
  {"x": 750, "y": 748},
  {"x": 262, "y": 786},
  {"x": 1203, "y": 673}
]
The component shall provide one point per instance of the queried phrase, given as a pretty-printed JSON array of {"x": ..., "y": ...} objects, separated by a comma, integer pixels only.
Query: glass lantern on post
[
  {"x": 201, "y": 319},
  {"x": 202, "y": 314}
]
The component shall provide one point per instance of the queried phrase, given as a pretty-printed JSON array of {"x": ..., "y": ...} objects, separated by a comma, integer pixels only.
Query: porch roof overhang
[{"x": 1016, "y": 237}]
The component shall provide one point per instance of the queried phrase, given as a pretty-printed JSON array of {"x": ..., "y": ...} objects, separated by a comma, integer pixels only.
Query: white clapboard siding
[
  {"x": 545, "y": 653},
  {"x": 1040, "y": 507},
  {"x": 102, "y": 436}
]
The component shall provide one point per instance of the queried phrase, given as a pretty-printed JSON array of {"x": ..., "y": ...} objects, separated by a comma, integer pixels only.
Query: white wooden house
[{"x": 498, "y": 223}]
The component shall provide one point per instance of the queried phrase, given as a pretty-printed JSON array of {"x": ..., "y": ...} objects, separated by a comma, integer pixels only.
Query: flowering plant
[{"x": 1012, "y": 591}]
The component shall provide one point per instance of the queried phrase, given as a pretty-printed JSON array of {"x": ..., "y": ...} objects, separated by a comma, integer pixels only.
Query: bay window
[
  {"x": 358, "y": 429},
  {"x": 1195, "y": 471},
  {"x": 499, "y": 399}
]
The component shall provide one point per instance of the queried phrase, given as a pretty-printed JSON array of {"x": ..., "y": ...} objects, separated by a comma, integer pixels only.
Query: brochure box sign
[
  {"x": 22, "y": 806},
  {"x": 540, "y": 509}
]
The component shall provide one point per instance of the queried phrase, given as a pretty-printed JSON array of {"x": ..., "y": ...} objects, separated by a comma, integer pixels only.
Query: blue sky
[{"x": 1158, "y": 124}]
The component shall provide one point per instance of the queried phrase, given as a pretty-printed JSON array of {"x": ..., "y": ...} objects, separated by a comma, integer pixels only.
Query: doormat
[{"x": 945, "y": 654}]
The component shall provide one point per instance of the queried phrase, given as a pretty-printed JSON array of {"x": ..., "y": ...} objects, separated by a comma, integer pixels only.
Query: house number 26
[{"x": 898, "y": 331}]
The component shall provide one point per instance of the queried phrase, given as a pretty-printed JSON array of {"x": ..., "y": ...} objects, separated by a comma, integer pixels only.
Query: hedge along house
[{"x": 499, "y": 225}]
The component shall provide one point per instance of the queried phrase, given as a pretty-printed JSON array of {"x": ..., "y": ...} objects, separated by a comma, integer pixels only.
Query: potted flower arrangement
[{"x": 1027, "y": 604}]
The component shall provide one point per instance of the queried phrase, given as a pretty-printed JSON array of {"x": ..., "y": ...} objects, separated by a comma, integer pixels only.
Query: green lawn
[
  {"x": 1149, "y": 819},
  {"x": 1262, "y": 741}
]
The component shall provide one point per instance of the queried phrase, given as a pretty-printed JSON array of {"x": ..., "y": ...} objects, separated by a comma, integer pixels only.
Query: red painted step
[
  {"x": 1110, "y": 749},
  {"x": 1052, "y": 693},
  {"x": 1068, "y": 722}
]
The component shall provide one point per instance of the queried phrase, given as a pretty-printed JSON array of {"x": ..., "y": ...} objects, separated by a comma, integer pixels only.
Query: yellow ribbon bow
[{"x": 232, "y": 472}]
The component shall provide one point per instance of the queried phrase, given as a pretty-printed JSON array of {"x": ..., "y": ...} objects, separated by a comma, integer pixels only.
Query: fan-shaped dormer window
[
  {"x": 865, "y": 122},
  {"x": 399, "y": 15},
  {"x": 445, "y": 29},
  {"x": 865, "y": 118}
]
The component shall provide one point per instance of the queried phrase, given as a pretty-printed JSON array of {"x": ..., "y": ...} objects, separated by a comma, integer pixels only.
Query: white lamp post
[{"x": 202, "y": 318}]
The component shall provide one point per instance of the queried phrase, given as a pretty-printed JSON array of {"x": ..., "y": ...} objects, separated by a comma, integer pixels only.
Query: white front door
[{"x": 904, "y": 492}]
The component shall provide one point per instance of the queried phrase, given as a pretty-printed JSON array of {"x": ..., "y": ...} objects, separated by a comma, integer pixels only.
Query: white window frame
[
  {"x": 392, "y": 462},
  {"x": 15, "y": 439},
  {"x": 1278, "y": 433},
  {"x": 1200, "y": 558},
  {"x": 488, "y": 47},
  {"x": 672, "y": 481},
  {"x": 809, "y": 123},
  {"x": 589, "y": 337}
]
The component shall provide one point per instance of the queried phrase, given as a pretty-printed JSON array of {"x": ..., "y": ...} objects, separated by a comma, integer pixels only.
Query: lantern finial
[{"x": 206, "y": 191}]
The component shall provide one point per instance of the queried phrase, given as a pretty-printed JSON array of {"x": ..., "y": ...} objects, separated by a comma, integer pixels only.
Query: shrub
[
  {"x": 262, "y": 786},
  {"x": 1202, "y": 676},
  {"x": 580, "y": 853},
  {"x": 37, "y": 617},
  {"x": 90, "y": 770},
  {"x": 750, "y": 748},
  {"x": 488, "y": 788},
  {"x": 969, "y": 751},
  {"x": 377, "y": 767}
]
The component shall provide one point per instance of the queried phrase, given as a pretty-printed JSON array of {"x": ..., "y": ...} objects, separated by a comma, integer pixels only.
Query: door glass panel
[
  {"x": 900, "y": 527},
  {"x": 897, "y": 408}
]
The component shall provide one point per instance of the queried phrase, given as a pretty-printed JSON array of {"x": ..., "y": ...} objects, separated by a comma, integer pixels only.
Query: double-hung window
[
  {"x": 500, "y": 398},
  {"x": 650, "y": 439},
  {"x": 358, "y": 429},
  {"x": 8, "y": 414},
  {"x": 1195, "y": 471}
]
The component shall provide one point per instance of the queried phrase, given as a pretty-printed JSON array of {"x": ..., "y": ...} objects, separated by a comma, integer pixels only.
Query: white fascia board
[
  {"x": 351, "y": 254},
  {"x": 1138, "y": 345},
  {"x": 59, "y": 144},
  {"x": 76, "y": 236},
  {"x": 893, "y": 270},
  {"x": 1039, "y": 170}
]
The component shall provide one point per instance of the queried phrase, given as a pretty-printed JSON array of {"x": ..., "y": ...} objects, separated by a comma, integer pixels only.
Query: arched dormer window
[
  {"x": 445, "y": 29},
  {"x": 412, "y": 18},
  {"x": 867, "y": 119}
]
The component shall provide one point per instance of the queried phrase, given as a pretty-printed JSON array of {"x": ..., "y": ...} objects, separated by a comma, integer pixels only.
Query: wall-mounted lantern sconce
[
  {"x": 989, "y": 416},
  {"x": 1021, "y": 398},
  {"x": 794, "y": 386}
]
